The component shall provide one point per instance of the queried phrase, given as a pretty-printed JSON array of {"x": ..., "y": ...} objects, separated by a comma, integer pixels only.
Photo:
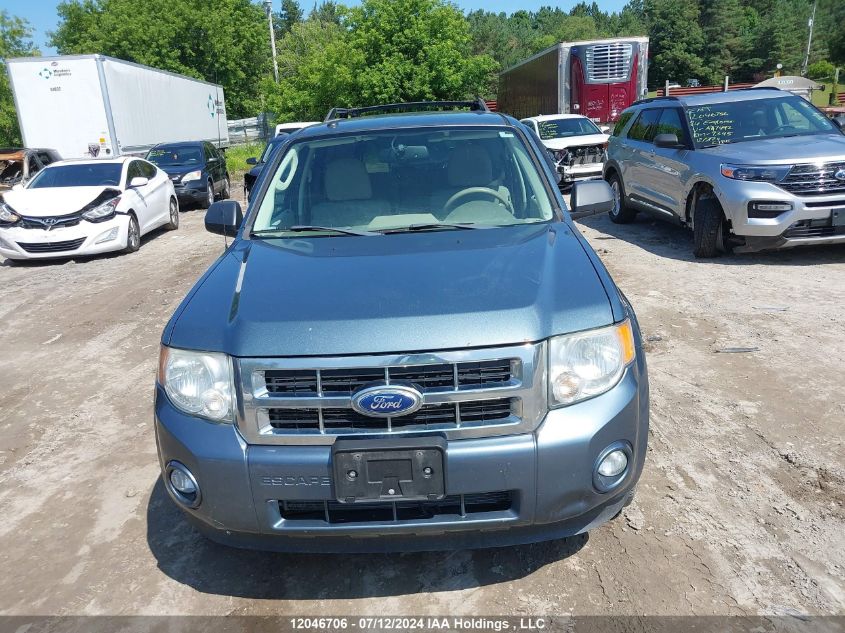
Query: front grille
[
  {"x": 814, "y": 180},
  {"x": 467, "y": 375},
  {"x": 813, "y": 228},
  {"x": 609, "y": 62},
  {"x": 52, "y": 222},
  {"x": 465, "y": 393},
  {"x": 335, "y": 512},
  {"x": 51, "y": 247},
  {"x": 429, "y": 417}
]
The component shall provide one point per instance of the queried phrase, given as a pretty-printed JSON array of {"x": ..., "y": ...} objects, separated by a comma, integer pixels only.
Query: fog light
[
  {"x": 108, "y": 236},
  {"x": 613, "y": 464},
  {"x": 182, "y": 484}
]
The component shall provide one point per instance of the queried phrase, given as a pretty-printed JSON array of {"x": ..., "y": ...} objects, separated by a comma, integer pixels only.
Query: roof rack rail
[
  {"x": 475, "y": 105},
  {"x": 650, "y": 99}
]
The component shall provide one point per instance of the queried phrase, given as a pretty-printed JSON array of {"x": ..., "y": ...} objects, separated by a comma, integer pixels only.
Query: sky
[{"x": 41, "y": 14}]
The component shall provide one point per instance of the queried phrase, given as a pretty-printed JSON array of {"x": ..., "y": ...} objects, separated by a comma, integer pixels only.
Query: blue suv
[{"x": 407, "y": 346}]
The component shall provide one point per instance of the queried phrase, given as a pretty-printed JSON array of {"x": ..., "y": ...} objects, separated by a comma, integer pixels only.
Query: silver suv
[{"x": 746, "y": 170}]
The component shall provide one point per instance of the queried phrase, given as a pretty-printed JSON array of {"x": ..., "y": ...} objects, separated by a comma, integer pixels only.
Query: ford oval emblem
[
  {"x": 385, "y": 401},
  {"x": 840, "y": 174}
]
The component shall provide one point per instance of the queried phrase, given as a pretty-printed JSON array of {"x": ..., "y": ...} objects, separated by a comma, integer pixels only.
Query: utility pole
[
  {"x": 268, "y": 7},
  {"x": 809, "y": 41}
]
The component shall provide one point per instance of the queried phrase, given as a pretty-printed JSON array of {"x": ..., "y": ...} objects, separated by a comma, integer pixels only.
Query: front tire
[
  {"x": 133, "y": 235},
  {"x": 209, "y": 195},
  {"x": 227, "y": 189},
  {"x": 708, "y": 228},
  {"x": 173, "y": 224},
  {"x": 620, "y": 213}
]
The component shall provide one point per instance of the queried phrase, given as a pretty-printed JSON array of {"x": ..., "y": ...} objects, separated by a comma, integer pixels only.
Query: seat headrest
[
  {"x": 347, "y": 179},
  {"x": 469, "y": 166}
]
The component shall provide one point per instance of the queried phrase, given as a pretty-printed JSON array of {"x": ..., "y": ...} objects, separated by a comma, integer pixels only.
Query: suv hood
[
  {"x": 180, "y": 170},
  {"x": 793, "y": 149},
  {"x": 52, "y": 201},
  {"x": 394, "y": 293},
  {"x": 576, "y": 141}
]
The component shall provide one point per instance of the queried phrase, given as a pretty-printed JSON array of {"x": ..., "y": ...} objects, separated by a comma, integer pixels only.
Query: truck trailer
[
  {"x": 93, "y": 105},
  {"x": 597, "y": 79}
]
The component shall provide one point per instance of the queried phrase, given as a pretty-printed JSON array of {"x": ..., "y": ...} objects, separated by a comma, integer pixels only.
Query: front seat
[
  {"x": 469, "y": 166},
  {"x": 349, "y": 196}
]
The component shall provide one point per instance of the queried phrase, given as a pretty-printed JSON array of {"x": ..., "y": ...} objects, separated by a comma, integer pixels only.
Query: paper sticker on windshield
[{"x": 506, "y": 134}]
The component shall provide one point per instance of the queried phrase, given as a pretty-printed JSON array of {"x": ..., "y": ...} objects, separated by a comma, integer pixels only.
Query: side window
[
  {"x": 209, "y": 151},
  {"x": 671, "y": 123},
  {"x": 621, "y": 123},
  {"x": 645, "y": 125},
  {"x": 148, "y": 170},
  {"x": 134, "y": 171}
]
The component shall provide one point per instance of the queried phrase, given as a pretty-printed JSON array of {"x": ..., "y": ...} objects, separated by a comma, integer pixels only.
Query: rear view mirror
[
  {"x": 138, "y": 181},
  {"x": 252, "y": 160},
  {"x": 590, "y": 197},
  {"x": 224, "y": 217},
  {"x": 667, "y": 141}
]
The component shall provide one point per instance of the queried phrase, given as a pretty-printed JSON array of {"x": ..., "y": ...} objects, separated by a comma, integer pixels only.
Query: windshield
[
  {"x": 175, "y": 156},
  {"x": 430, "y": 179},
  {"x": 82, "y": 175},
  {"x": 563, "y": 128},
  {"x": 734, "y": 122}
]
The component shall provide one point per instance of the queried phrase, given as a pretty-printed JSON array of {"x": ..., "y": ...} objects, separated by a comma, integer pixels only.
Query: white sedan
[
  {"x": 85, "y": 207},
  {"x": 577, "y": 144}
]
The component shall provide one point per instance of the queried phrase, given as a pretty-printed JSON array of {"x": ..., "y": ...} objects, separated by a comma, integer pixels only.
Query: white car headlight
[
  {"x": 192, "y": 175},
  {"x": 586, "y": 364},
  {"x": 199, "y": 383},
  {"x": 103, "y": 211},
  {"x": 7, "y": 215}
]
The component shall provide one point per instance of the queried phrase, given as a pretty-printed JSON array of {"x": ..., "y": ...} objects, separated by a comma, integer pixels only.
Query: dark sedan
[{"x": 197, "y": 169}]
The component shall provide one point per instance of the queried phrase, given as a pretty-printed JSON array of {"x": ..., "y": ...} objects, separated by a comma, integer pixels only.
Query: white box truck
[{"x": 93, "y": 105}]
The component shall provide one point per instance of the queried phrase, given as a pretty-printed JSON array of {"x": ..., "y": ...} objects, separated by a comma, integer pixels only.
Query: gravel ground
[{"x": 740, "y": 509}]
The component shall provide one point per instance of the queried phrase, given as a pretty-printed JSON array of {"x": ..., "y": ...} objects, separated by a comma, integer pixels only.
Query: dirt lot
[{"x": 740, "y": 509}]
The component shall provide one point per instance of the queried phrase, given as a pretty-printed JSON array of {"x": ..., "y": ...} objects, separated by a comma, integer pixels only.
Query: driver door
[{"x": 139, "y": 197}]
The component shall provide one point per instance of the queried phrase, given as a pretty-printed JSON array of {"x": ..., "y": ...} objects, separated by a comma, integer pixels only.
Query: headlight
[
  {"x": 192, "y": 175},
  {"x": 199, "y": 383},
  {"x": 587, "y": 364},
  {"x": 7, "y": 216},
  {"x": 759, "y": 173},
  {"x": 102, "y": 212}
]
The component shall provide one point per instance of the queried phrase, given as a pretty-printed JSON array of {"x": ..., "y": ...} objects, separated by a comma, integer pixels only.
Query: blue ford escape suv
[{"x": 407, "y": 346}]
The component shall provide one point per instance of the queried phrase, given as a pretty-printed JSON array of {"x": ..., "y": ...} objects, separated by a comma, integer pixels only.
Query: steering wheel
[
  {"x": 785, "y": 126},
  {"x": 451, "y": 203}
]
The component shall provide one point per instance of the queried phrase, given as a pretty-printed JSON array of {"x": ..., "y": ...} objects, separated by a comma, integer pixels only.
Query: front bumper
[
  {"x": 809, "y": 222},
  {"x": 573, "y": 173},
  {"x": 72, "y": 241},
  {"x": 548, "y": 473},
  {"x": 191, "y": 191}
]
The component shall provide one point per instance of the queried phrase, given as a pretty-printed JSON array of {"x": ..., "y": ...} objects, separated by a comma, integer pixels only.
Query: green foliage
[
  {"x": 677, "y": 40},
  {"x": 236, "y": 158},
  {"x": 821, "y": 69},
  {"x": 222, "y": 41},
  {"x": 15, "y": 41},
  {"x": 382, "y": 51}
]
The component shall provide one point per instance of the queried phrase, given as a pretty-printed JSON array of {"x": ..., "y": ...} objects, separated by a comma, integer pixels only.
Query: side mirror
[
  {"x": 224, "y": 217},
  {"x": 138, "y": 181},
  {"x": 667, "y": 141},
  {"x": 590, "y": 197},
  {"x": 839, "y": 122},
  {"x": 252, "y": 160},
  {"x": 605, "y": 129}
]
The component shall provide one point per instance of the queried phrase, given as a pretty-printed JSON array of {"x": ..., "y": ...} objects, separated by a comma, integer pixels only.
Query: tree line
[{"x": 400, "y": 50}]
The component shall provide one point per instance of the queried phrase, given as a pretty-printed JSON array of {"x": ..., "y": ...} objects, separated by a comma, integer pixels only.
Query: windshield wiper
[
  {"x": 438, "y": 225},
  {"x": 307, "y": 228}
]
